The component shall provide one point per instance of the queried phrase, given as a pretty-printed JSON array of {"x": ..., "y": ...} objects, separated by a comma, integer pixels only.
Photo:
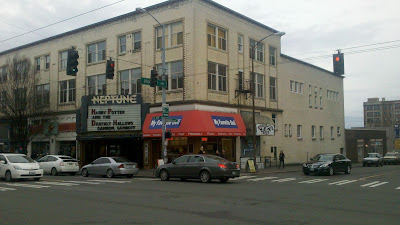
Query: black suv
[{"x": 327, "y": 164}]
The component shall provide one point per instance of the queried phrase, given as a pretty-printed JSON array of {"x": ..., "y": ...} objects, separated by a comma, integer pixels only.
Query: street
[{"x": 369, "y": 195}]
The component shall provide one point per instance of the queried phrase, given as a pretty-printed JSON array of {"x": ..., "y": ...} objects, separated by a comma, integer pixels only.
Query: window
[
  {"x": 321, "y": 132},
  {"x": 137, "y": 41},
  {"x": 313, "y": 131},
  {"x": 216, "y": 37},
  {"x": 173, "y": 35},
  {"x": 174, "y": 75},
  {"x": 241, "y": 80},
  {"x": 3, "y": 74},
  {"x": 275, "y": 121},
  {"x": 3, "y": 97},
  {"x": 301, "y": 88},
  {"x": 296, "y": 87},
  {"x": 286, "y": 131},
  {"x": 299, "y": 128},
  {"x": 96, "y": 52},
  {"x": 196, "y": 159},
  {"x": 315, "y": 97},
  {"x": 43, "y": 94},
  {"x": 377, "y": 107},
  {"x": 259, "y": 54},
  {"x": 338, "y": 131},
  {"x": 290, "y": 130},
  {"x": 63, "y": 60},
  {"x": 130, "y": 81},
  {"x": 272, "y": 88},
  {"x": 291, "y": 85},
  {"x": 332, "y": 137},
  {"x": 22, "y": 70},
  {"x": 67, "y": 91},
  {"x": 320, "y": 98},
  {"x": 182, "y": 159},
  {"x": 240, "y": 43},
  {"x": 260, "y": 85},
  {"x": 272, "y": 56},
  {"x": 214, "y": 71},
  {"x": 47, "y": 61},
  {"x": 97, "y": 85},
  {"x": 309, "y": 96},
  {"x": 37, "y": 64},
  {"x": 122, "y": 44},
  {"x": 370, "y": 114},
  {"x": 377, "y": 114}
]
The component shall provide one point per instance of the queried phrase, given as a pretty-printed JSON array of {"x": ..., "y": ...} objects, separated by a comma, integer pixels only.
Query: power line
[
  {"x": 61, "y": 21},
  {"x": 19, "y": 27}
]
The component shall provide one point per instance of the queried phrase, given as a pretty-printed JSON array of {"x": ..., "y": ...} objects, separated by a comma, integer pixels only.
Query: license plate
[
  {"x": 234, "y": 173},
  {"x": 128, "y": 167},
  {"x": 71, "y": 164},
  {"x": 32, "y": 172},
  {"x": 312, "y": 169}
]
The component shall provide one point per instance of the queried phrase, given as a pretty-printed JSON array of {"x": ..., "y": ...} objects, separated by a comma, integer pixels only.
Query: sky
[{"x": 315, "y": 29}]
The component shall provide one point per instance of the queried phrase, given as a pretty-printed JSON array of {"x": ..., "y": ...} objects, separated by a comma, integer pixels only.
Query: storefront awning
[
  {"x": 195, "y": 123},
  {"x": 248, "y": 120}
]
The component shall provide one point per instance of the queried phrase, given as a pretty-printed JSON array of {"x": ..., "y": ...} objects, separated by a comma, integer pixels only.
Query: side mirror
[{"x": 2, "y": 162}]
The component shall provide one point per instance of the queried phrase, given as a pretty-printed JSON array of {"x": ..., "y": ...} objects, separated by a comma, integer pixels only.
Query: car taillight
[
  {"x": 237, "y": 166},
  {"x": 61, "y": 163},
  {"x": 121, "y": 166},
  {"x": 223, "y": 166}
]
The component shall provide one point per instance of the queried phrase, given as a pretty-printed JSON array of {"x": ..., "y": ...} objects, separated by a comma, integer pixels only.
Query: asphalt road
[{"x": 369, "y": 195}]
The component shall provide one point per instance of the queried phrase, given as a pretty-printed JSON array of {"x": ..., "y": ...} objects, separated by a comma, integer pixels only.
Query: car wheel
[
  {"x": 348, "y": 170},
  {"x": 223, "y": 180},
  {"x": 129, "y": 176},
  {"x": 54, "y": 171},
  {"x": 164, "y": 176},
  {"x": 8, "y": 176},
  {"x": 110, "y": 173},
  {"x": 205, "y": 176},
  {"x": 85, "y": 173},
  {"x": 306, "y": 173},
  {"x": 331, "y": 172},
  {"x": 36, "y": 178}
]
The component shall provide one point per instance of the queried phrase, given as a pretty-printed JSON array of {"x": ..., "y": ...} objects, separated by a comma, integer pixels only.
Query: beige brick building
[{"x": 208, "y": 67}]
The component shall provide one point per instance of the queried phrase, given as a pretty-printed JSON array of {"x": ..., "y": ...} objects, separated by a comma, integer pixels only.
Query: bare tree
[{"x": 20, "y": 104}]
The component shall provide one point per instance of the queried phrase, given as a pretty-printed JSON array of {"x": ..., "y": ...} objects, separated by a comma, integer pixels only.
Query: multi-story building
[{"x": 208, "y": 68}]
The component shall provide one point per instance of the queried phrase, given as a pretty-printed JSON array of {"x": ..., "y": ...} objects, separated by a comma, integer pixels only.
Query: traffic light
[
  {"x": 72, "y": 62},
  {"x": 153, "y": 78},
  {"x": 168, "y": 134},
  {"x": 110, "y": 69},
  {"x": 338, "y": 64}
]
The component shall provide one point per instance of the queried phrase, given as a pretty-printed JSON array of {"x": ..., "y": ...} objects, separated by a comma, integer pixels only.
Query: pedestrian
[
  {"x": 281, "y": 159},
  {"x": 217, "y": 153},
  {"x": 202, "y": 150},
  {"x": 223, "y": 154}
]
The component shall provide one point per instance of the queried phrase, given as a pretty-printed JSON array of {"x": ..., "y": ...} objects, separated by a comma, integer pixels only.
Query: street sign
[
  {"x": 145, "y": 81},
  {"x": 157, "y": 118},
  {"x": 161, "y": 83},
  {"x": 165, "y": 110}
]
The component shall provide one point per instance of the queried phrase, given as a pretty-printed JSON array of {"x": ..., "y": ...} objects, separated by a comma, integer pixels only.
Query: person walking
[
  {"x": 217, "y": 153},
  {"x": 202, "y": 150},
  {"x": 223, "y": 154},
  {"x": 281, "y": 159}
]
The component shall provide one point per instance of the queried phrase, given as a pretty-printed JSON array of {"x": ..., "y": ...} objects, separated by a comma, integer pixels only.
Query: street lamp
[
  {"x": 164, "y": 149},
  {"x": 280, "y": 34}
]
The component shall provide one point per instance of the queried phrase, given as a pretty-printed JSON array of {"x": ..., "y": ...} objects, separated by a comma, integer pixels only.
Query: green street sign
[
  {"x": 165, "y": 110},
  {"x": 145, "y": 81},
  {"x": 161, "y": 83},
  {"x": 157, "y": 118}
]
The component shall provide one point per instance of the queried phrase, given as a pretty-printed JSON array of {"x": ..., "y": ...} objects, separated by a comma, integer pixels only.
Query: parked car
[
  {"x": 373, "y": 159},
  {"x": 19, "y": 166},
  {"x": 392, "y": 158},
  {"x": 203, "y": 167},
  {"x": 110, "y": 167},
  {"x": 57, "y": 164},
  {"x": 327, "y": 164}
]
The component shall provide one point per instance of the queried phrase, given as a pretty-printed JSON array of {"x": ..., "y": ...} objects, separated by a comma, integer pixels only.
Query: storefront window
[
  {"x": 177, "y": 147},
  {"x": 67, "y": 148},
  {"x": 40, "y": 149}
]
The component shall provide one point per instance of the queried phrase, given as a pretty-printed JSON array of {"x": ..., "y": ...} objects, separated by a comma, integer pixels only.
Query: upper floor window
[
  {"x": 43, "y": 94},
  {"x": 299, "y": 131},
  {"x": 309, "y": 95},
  {"x": 272, "y": 56},
  {"x": 240, "y": 43},
  {"x": 296, "y": 87},
  {"x": 37, "y": 64},
  {"x": 137, "y": 41},
  {"x": 286, "y": 132},
  {"x": 321, "y": 132},
  {"x": 292, "y": 85},
  {"x": 122, "y": 44},
  {"x": 241, "y": 80},
  {"x": 272, "y": 88},
  {"x": 3, "y": 98},
  {"x": 259, "y": 82},
  {"x": 313, "y": 131},
  {"x": 332, "y": 132},
  {"x": 3, "y": 74},
  {"x": 300, "y": 88},
  {"x": 290, "y": 130},
  {"x": 67, "y": 91},
  {"x": 97, "y": 85},
  {"x": 47, "y": 62},
  {"x": 320, "y": 98},
  {"x": 96, "y": 52},
  {"x": 130, "y": 81},
  {"x": 22, "y": 70},
  {"x": 274, "y": 119},
  {"x": 63, "y": 60},
  {"x": 216, "y": 37},
  {"x": 259, "y": 54},
  {"x": 173, "y": 35},
  {"x": 338, "y": 131},
  {"x": 173, "y": 75},
  {"x": 216, "y": 76}
]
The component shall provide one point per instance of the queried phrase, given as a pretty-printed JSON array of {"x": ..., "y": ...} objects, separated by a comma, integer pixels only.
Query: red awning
[{"x": 195, "y": 123}]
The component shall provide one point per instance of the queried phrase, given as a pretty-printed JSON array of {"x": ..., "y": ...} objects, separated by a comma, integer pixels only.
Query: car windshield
[
  {"x": 390, "y": 154},
  {"x": 121, "y": 160},
  {"x": 216, "y": 158},
  {"x": 373, "y": 155},
  {"x": 19, "y": 159},
  {"x": 323, "y": 158}
]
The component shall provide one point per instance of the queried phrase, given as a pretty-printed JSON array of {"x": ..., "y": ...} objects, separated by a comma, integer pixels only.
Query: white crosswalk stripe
[
  {"x": 342, "y": 182},
  {"x": 398, "y": 188},
  {"x": 375, "y": 182},
  {"x": 284, "y": 180},
  {"x": 7, "y": 189},
  {"x": 57, "y": 183},
  {"x": 81, "y": 182},
  {"x": 244, "y": 177},
  {"x": 28, "y": 185},
  {"x": 312, "y": 181},
  {"x": 111, "y": 181},
  {"x": 379, "y": 184},
  {"x": 262, "y": 178}
]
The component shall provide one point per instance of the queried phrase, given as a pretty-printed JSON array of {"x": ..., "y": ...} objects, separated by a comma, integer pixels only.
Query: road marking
[
  {"x": 262, "y": 178},
  {"x": 111, "y": 181},
  {"x": 363, "y": 178},
  {"x": 7, "y": 189},
  {"x": 284, "y": 180},
  {"x": 376, "y": 185},
  {"x": 28, "y": 185},
  {"x": 81, "y": 182},
  {"x": 312, "y": 181},
  {"x": 244, "y": 177},
  {"x": 372, "y": 183},
  {"x": 57, "y": 183},
  {"x": 342, "y": 182},
  {"x": 398, "y": 188}
]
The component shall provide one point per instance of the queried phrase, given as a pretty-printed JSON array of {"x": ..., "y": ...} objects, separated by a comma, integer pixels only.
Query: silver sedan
[{"x": 110, "y": 167}]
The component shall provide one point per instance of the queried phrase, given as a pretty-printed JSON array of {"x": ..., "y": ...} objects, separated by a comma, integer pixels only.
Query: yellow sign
[
  {"x": 397, "y": 144},
  {"x": 251, "y": 166}
]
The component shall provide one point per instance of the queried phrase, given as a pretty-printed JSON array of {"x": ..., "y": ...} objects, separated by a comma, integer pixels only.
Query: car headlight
[
  {"x": 325, "y": 165},
  {"x": 305, "y": 165},
  {"x": 17, "y": 167}
]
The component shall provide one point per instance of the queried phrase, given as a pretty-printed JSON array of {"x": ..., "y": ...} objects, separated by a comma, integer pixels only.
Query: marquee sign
[{"x": 114, "y": 117}]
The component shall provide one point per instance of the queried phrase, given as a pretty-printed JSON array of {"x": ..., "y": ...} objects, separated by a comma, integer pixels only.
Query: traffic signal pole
[{"x": 164, "y": 147}]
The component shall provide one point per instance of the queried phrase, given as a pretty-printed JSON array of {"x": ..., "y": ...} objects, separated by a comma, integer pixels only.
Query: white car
[
  {"x": 57, "y": 164},
  {"x": 19, "y": 166}
]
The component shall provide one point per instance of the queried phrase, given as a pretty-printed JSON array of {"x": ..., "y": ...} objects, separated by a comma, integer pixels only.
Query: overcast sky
[{"x": 312, "y": 26}]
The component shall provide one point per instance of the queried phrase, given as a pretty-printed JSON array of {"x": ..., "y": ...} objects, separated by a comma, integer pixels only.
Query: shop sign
[
  {"x": 50, "y": 128},
  {"x": 175, "y": 122},
  {"x": 114, "y": 117},
  {"x": 265, "y": 129},
  {"x": 114, "y": 99},
  {"x": 224, "y": 122}
]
